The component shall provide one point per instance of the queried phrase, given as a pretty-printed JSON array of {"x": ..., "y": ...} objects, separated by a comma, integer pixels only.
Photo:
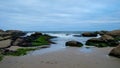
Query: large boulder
[
  {"x": 17, "y": 42},
  {"x": 21, "y": 41},
  {"x": 15, "y": 34},
  {"x": 5, "y": 43},
  {"x": 106, "y": 38},
  {"x": 103, "y": 41},
  {"x": 89, "y": 34},
  {"x": 115, "y": 51},
  {"x": 74, "y": 43}
]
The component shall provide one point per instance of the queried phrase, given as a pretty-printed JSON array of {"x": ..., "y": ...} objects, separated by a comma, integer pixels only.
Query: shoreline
[{"x": 70, "y": 57}]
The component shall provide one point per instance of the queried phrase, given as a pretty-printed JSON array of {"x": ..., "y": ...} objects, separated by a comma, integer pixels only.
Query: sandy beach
[{"x": 70, "y": 57}]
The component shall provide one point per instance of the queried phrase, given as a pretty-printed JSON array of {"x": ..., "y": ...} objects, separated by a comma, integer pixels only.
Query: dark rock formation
[
  {"x": 36, "y": 34},
  {"x": 19, "y": 41},
  {"x": 11, "y": 34},
  {"x": 103, "y": 32},
  {"x": 15, "y": 33},
  {"x": 115, "y": 51},
  {"x": 77, "y": 35},
  {"x": 89, "y": 34},
  {"x": 22, "y": 41},
  {"x": 103, "y": 41},
  {"x": 114, "y": 33},
  {"x": 74, "y": 44},
  {"x": 1, "y": 30},
  {"x": 27, "y": 41}
]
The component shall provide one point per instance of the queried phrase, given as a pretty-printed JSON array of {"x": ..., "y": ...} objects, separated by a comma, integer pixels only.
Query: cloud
[{"x": 31, "y": 13}]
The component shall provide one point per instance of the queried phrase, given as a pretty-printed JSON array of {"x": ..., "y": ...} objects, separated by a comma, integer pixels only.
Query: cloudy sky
[{"x": 60, "y": 15}]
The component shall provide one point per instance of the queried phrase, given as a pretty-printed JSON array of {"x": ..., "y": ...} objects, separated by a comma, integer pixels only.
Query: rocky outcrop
[
  {"x": 19, "y": 41},
  {"x": 103, "y": 41},
  {"x": 28, "y": 40},
  {"x": 103, "y": 32},
  {"x": 23, "y": 41},
  {"x": 4, "y": 38},
  {"x": 89, "y": 34},
  {"x": 115, "y": 51},
  {"x": 15, "y": 33},
  {"x": 10, "y": 34},
  {"x": 74, "y": 44},
  {"x": 114, "y": 33}
]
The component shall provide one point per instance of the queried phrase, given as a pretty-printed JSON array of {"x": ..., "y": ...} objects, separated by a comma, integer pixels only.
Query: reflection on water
[{"x": 60, "y": 43}]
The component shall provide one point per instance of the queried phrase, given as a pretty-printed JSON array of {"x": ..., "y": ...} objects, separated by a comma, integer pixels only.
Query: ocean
[{"x": 62, "y": 38}]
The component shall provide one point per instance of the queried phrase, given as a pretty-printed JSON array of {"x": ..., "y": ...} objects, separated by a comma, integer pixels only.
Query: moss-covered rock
[
  {"x": 1, "y": 57},
  {"x": 18, "y": 52},
  {"x": 103, "y": 41}
]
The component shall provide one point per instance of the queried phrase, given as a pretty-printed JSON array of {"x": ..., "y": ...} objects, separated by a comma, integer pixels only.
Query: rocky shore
[
  {"x": 14, "y": 41},
  {"x": 107, "y": 39}
]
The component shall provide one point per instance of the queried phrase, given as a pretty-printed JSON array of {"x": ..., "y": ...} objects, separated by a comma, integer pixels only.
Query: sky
[{"x": 60, "y": 15}]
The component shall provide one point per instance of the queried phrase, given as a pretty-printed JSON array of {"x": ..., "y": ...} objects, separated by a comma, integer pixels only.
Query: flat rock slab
[{"x": 5, "y": 43}]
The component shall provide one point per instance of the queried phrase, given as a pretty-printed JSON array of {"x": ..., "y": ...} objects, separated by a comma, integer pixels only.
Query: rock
[
  {"x": 18, "y": 42},
  {"x": 115, "y": 51},
  {"x": 26, "y": 44},
  {"x": 5, "y": 38},
  {"x": 23, "y": 42},
  {"x": 1, "y": 30},
  {"x": 103, "y": 32},
  {"x": 5, "y": 43},
  {"x": 67, "y": 34},
  {"x": 77, "y": 35},
  {"x": 114, "y": 33},
  {"x": 106, "y": 38},
  {"x": 15, "y": 33},
  {"x": 74, "y": 43},
  {"x": 6, "y": 51},
  {"x": 103, "y": 41},
  {"x": 3, "y": 34},
  {"x": 89, "y": 34},
  {"x": 36, "y": 34}
]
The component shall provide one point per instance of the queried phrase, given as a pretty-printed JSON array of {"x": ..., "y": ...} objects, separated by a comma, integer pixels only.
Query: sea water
[{"x": 62, "y": 38}]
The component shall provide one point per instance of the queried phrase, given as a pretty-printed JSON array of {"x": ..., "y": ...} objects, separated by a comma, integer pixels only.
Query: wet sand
[{"x": 70, "y": 57}]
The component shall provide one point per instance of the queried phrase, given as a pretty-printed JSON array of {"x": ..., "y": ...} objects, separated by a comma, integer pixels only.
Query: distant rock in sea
[
  {"x": 74, "y": 44},
  {"x": 89, "y": 34}
]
